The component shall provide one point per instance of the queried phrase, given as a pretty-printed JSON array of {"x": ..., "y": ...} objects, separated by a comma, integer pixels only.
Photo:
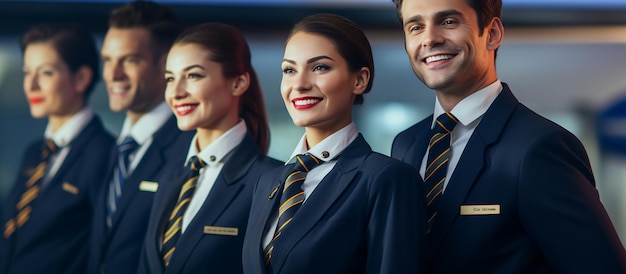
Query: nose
[
  {"x": 176, "y": 89},
  {"x": 302, "y": 81},
  {"x": 431, "y": 37},
  {"x": 113, "y": 71},
  {"x": 31, "y": 82}
]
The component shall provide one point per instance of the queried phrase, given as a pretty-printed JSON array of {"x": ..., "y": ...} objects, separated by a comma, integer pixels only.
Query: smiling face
[
  {"x": 317, "y": 87},
  {"x": 445, "y": 47},
  {"x": 131, "y": 70},
  {"x": 197, "y": 92},
  {"x": 49, "y": 85}
]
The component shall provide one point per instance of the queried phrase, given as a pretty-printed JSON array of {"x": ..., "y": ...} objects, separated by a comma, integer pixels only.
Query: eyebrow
[
  {"x": 54, "y": 65},
  {"x": 438, "y": 15},
  {"x": 312, "y": 60},
  {"x": 187, "y": 68}
]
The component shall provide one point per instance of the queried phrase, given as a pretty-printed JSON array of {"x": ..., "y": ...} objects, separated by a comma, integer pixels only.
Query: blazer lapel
[
  {"x": 76, "y": 146},
  {"x": 268, "y": 193},
  {"x": 220, "y": 197},
  {"x": 415, "y": 153},
  {"x": 165, "y": 200},
  {"x": 471, "y": 164},
  {"x": 156, "y": 159},
  {"x": 314, "y": 208}
]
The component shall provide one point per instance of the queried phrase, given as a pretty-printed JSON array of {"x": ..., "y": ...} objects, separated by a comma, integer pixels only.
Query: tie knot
[
  {"x": 49, "y": 148},
  {"x": 445, "y": 123},
  {"x": 127, "y": 146},
  {"x": 195, "y": 163},
  {"x": 306, "y": 162}
]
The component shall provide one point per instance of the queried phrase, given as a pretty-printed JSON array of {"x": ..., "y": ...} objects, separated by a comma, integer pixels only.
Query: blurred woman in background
[{"x": 47, "y": 215}]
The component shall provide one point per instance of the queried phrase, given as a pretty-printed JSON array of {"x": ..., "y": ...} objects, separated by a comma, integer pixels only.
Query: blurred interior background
[{"x": 562, "y": 58}]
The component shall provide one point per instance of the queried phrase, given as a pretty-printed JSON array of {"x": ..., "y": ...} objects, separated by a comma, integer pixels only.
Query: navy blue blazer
[
  {"x": 55, "y": 238},
  {"x": 367, "y": 215},
  {"x": 118, "y": 250},
  {"x": 203, "y": 248},
  {"x": 550, "y": 217}
]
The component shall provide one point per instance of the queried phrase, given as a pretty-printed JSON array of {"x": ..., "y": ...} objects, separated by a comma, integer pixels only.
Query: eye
[
  {"x": 288, "y": 70},
  {"x": 169, "y": 79},
  {"x": 194, "y": 76},
  {"x": 47, "y": 72},
  {"x": 131, "y": 60},
  {"x": 449, "y": 22},
  {"x": 321, "y": 67},
  {"x": 415, "y": 27}
]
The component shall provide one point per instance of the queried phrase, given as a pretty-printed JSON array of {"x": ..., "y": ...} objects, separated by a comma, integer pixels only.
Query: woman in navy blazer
[
  {"x": 212, "y": 88},
  {"x": 47, "y": 215},
  {"x": 362, "y": 212}
]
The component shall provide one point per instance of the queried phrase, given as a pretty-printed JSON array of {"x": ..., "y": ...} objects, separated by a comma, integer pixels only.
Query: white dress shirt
[
  {"x": 330, "y": 147},
  {"x": 143, "y": 130},
  {"x": 215, "y": 155},
  {"x": 469, "y": 112},
  {"x": 62, "y": 138}
]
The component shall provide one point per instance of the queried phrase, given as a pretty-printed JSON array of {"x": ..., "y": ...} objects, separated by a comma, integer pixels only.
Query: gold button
[
  {"x": 325, "y": 154},
  {"x": 212, "y": 158}
]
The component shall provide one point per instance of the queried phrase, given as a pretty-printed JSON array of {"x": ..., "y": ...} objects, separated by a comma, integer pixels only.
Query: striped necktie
[
  {"x": 291, "y": 197},
  {"x": 33, "y": 188},
  {"x": 174, "y": 224},
  {"x": 437, "y": 164},
  {"x": 124, "y": 149}
]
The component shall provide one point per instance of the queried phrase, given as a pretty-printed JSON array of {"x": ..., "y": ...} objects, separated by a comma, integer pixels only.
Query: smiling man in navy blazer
[
  {"x": 519, "y": 195},
  {"x": 133, "y": 54}
]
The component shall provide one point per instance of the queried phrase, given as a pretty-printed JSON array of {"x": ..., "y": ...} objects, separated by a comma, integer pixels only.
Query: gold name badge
[
  {"x": 70, "y": 188},
  {"x": 221, "y": 230},
  {"x": 148, "y": 186},
  {"x": 480, "y": 209}
]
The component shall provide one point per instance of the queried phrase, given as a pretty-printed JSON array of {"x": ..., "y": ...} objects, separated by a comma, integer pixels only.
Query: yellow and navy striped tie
[
  {"x": 437, "y": 164},
  {"x": 33, "y": 188},
  {"x": 174, "y": 224},
  {"x": 291, "y": 197}
]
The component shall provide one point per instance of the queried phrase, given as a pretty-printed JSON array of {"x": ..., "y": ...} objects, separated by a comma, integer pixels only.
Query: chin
[
  {"x": 38, "y": 115},
  {"x": 185, "y": 126}
]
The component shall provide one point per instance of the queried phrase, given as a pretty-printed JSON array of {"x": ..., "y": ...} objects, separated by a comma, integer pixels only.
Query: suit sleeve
[
  {"x": 561, "y": 209},
  {"x": 396, "y": 229}
]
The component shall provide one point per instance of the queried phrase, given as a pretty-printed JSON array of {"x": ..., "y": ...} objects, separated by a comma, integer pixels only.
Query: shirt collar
[
  {"x": 329, "y": 148},
  {"x": 473, "y": 106},
  {"x": 147, "y": 125},
  {"x": 221, "y": 147},
  {"x": 68, "y": 131}
]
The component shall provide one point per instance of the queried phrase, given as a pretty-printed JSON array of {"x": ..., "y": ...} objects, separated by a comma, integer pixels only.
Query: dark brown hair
[
  {"x": 348, "y": 38},
  {"x": 229, "y": 48},
  {"x": 485, "y": 10},
  {"x": 75, "y": 46},
  {"x": 160, "y": 21}
]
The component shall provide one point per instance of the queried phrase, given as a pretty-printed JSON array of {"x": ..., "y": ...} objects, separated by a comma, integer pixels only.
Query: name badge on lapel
[
  {"x": 148, "y": 186},
  {"x": 221, "y": 230},
  {"x": 70, "y": 188},
  {"x": 480, "y": 210}
]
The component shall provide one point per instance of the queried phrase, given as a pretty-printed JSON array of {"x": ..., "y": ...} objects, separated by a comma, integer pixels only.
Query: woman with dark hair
[
  {"x": 47, "y": 215},
  {"x": 199, "y": 217},
  {"x": 340, "y": 207}
]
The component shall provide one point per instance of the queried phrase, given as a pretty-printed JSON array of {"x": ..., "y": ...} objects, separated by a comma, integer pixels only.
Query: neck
[
  {"x": 315, "y": 135},
  {"x": 57, "y": 121}
]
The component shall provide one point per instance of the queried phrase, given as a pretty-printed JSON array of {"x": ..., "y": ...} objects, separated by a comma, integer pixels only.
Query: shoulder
[
  {"x": 408, "y": 135},
  {"x": 379, "y": 163},
  {"x": 527, "y": 125}
]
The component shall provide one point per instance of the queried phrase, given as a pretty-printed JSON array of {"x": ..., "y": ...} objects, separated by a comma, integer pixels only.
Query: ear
[
  {"x": 82, "y": 78},
  {"x": 241, "y": 84},
  {"x": 362, "y": 79},
  {"x": 495, "y": 33}
]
